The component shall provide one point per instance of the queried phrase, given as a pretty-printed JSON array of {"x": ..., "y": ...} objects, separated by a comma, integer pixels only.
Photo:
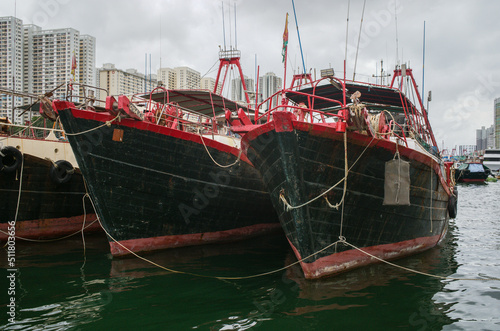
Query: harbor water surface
[{"x": 74, "y": 284}]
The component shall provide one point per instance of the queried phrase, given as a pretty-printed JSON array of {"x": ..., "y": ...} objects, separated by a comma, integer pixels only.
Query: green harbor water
[{"x": 74, "y": 284}]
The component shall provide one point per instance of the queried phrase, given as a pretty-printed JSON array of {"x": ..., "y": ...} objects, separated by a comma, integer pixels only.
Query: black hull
[
  {"x": 47, "y": 210},
  {"x": 303, "y": 160},
  {"x": 158, "y": 188}
]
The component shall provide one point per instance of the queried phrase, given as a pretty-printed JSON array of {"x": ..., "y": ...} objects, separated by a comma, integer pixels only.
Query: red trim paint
[
  {"x": 157, "y": 243},
  {"x": 347, "y": 260},
  {"x": 329, "y": 131},
  {"x": 51, "y": 228},
  {"x": 147, "y": 126},
  {"x": 467, "y": 180}
]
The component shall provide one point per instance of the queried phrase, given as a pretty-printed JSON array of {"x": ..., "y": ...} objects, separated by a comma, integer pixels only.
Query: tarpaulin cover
[{"x": 397, "y": 182}]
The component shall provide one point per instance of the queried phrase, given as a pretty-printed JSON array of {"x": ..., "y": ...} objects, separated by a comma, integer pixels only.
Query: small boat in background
[
  {"x": 471, "y": 172},
  {"x": 491, "y": 159}
]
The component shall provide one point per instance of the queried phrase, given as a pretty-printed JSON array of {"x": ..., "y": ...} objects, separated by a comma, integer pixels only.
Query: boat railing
[
  {"x": 87, "y": 98},
  {"x": 299, "y": 109},
  {"x": 31, "y": 130},
  {"x": 175, "y": 116}
]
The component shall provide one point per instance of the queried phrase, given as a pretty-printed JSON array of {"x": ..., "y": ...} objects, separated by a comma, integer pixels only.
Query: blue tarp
[{"x": 476, "y": 167}]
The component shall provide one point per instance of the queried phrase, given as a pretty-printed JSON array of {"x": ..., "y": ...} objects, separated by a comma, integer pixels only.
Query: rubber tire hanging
[
  {"x": 62, "y": 172},
  {"x": 10, "y": 159}
]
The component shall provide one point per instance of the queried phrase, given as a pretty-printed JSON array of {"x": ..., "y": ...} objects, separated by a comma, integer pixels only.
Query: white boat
[{"x": 492, "y": 159}]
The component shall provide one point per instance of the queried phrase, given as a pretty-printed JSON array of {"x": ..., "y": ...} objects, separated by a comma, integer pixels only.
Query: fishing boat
[
  {"x": 352, "y": 182},
  {"x": 164, "y": 171},
  {"x": 471, "y": 172},
  {"x": 41, "y": 190}
]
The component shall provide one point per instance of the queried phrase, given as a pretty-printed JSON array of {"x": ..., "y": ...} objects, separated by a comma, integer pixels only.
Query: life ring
[
  {"x": 453, "y": 203},
  {"x": 61, "y": 171},
  {"x": 10, "y": 159}
]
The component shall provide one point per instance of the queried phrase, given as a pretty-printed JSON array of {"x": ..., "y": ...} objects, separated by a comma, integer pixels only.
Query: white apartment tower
[
  {"x": 86, "y": 67},
  {"x": 268, "y": 85},
  {"x": 187, "y": 78},
  {"x": 42, "y": 61},
  {"x": 119, "y": 82},
  {"x": 237, "y": 92},
  {"x": 168, "y": 77},
  {"x": 11, "y": 66},
  {"x": 53, "y": 51}
]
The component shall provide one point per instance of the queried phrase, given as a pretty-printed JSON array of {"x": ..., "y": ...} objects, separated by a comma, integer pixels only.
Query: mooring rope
[
  {"x": 290, "y": 207},
  {"x": 218, "y": 164},
  {"x": 107, "y": 123},
  {"x": 409, "y": 269}
]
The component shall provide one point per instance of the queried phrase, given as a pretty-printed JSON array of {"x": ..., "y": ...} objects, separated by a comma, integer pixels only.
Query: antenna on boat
[
  {"x": 397, "y": 42},
  {"x": 223, "y": 26},
  {"x": 346, "y": 37},
  {"x": 298, "y": 34},
  {"x": 423, "y": 64},
  {"x": 235, "y": 35},
  {"x": 160, "y": 41},
  {"x": 359, "y": 37}
]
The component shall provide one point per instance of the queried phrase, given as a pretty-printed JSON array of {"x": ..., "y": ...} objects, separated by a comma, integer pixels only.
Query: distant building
[
  {"x": 207, "y": 83},
  {"x": 237, "y": 92},
  {"x": 11, "y": 66},
  {"x": 86, "y": 67},
  {"x": 119, "y": 82},
  {"x": 466, "y": 149},
  {"x": 496, "y": 122},
  {"x": 167, "y": 76},
  {"x": 183, "y": 78},
  {"x": 187, "y": 78},
  {"x": 268, "y": 85},
  {"x": 485, "y": 138}
]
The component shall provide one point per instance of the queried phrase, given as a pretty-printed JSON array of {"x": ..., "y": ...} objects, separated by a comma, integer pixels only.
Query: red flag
[
  {"x": 285, "y": 39},
  {"x": 73, "y": 65}
]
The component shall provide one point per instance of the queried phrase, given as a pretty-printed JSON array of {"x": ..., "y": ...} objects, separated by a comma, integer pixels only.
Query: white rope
[
  {"x": 290, "y": 207},
  {"x": 408, "y": 269},
  {"x": 107, "y": 123},
  {"x": 220, "y": 165}
]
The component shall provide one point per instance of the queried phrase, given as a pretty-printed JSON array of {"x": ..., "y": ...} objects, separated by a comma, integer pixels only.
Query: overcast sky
[{"x": 461, "y": 51}]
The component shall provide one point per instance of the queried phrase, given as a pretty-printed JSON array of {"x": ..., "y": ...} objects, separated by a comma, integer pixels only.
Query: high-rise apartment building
[
  {"x": 168, "y": 77},
  {"x": 53, "y": 52},
  {"x": 187, "y": 78},
  {"x": 11, "y": 66},
  {"x": 87, "y": 69},
  {"x": 484, "y": 138},
  {"x": 237, "y": 91},
  {"x": 268, "y": 85},
  {"x": 207, "y": 83},
  {"x": 119, "y": 82},
  {"x": 496, "y": 122},
  {"x": 43, "y": 61},
  {"x": 182, "y": 78}
]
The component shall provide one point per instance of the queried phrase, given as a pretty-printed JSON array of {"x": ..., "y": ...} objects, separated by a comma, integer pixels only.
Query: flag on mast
[
  {"x": 285, "y": 39},
  {"x": 73, "y": 66}
]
